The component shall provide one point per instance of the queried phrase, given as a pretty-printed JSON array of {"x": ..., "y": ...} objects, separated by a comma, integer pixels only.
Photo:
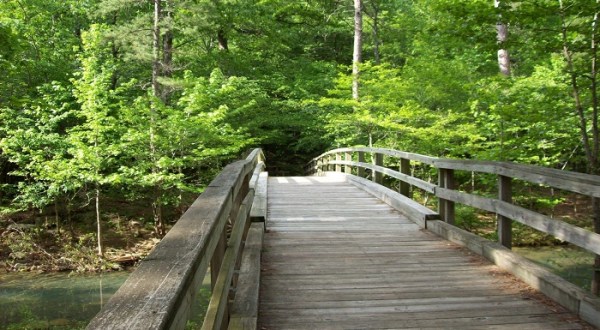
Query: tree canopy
[{"x": 147, "y": 99}]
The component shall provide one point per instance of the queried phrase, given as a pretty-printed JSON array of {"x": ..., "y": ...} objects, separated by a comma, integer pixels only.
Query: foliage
[{"x": 78, "y": 119}]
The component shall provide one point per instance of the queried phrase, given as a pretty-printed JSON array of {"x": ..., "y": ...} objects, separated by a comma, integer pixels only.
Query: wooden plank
[
  {"x": 556, "y": 288},
  {"x": 244, "y": 310},
  {"x": 326, "y": 264}
]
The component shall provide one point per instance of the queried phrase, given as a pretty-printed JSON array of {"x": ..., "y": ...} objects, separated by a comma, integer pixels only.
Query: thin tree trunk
[
  {"x": 156, "y": 71},
  {"x": 596, "y": 148},
  {"x": 594, "y": 94},
  {"x": 159, "y": 226},
  {"x": 357, "y": 55},
  {"x": 167, "y": 50},
  {"x": 585, "y": 139},
  {"x": 98, "y": 223},
  {"x": 156, "y": 48},
  {"x": 503, "y": 56},
  {"x": 56, "y": 216},
  {"x": 375, "y": 32},
  {"x": 591, "y": 148}
]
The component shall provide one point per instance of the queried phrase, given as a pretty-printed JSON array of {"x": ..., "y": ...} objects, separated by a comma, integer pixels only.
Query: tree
[
  {"x": 93, "y": 149},
  {"x": 357, "y": 54},
  {"x": 502, "y": 28},
  {"x": 588, "y": 120}
]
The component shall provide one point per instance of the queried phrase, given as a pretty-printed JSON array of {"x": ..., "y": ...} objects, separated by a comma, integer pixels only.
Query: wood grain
[{"x": 333, "y": 263}]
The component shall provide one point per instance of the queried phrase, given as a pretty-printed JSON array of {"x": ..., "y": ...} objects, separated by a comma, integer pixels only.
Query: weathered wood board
[{"x": 335, "y": 257}]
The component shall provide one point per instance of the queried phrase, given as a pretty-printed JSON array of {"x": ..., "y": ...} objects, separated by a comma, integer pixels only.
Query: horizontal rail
[
  {"x": 429, "y": 187},
  {"x": 447, "y": 195},
  {"x": 159, "y": 294}
]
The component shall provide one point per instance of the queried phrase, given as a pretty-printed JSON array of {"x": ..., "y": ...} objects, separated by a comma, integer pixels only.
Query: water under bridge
[{"x": 339, "y": 250}]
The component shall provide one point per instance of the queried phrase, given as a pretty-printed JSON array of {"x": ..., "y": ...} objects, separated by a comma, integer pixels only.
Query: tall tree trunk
[
  {"x": 596, "y": 147},
  {"x": 222, "y": 40},
  {"x": 594, "y": 93},
  {"x": 375, "y": 31},
  {"x": 156, "y": 48},
  {"x": 357, "y": 55},
  {"x": 585, "y": 139},
  {"x": 167, "y": 51},
  {"x": 156, "y": 91},
  {"x": 502, "y": 29}
]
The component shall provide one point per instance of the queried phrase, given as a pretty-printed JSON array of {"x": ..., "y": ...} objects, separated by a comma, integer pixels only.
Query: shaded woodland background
[{"x": 143, "y": 101}]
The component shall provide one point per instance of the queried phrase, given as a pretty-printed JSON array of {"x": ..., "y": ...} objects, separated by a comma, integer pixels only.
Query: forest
[{"x": 112, "y": 105}]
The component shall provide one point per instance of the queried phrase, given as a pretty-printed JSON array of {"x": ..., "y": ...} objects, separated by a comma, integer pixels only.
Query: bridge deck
[{"x": 336, "y": 257}]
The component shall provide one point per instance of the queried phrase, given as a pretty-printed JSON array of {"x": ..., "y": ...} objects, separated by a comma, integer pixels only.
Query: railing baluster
[
  {"x": 361, "y": 159},
  {"x": 348, "y": 158},
  {"x": 378, "y": 176},
  {"x": 404, "y": 169},
  {"x": 338, "y": 167},
  {"x": 319, "y": 166},
  {"x": 446, "y": 207},
  {"x": 504, "y": 223}
]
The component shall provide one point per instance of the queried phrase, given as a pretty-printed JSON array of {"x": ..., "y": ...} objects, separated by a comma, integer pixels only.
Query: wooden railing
[
  {"x": 352, "y": 161},
  {"x": 159, "y": 294}
]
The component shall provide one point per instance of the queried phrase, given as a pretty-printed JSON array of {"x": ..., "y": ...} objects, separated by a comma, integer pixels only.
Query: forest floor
[{"x": 30, "y": 241}]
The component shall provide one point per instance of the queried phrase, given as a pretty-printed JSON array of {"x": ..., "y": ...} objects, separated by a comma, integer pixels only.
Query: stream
[
  {"x": 64, "y": 301},
  {"x": 569, "y": 262},
  {"x": 54, "y": 301}
]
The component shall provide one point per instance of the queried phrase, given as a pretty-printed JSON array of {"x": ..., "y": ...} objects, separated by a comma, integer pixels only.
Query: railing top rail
[
  {"x": 256, "y": 155},
  {"x": 390, "y": 152},
  {"x": 576, "y": 182}
]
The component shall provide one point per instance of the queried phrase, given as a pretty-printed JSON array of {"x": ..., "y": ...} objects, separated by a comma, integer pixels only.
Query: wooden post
[
  {"x": 330, "y": 166},
  {"x": 348, "y": 158},
  {"x": 319, "y": 168},
  {"x": 378, "y": 176},
  {"x": 338, "y": 167},
  {"x": 405, "y": 169},
  {"x": 446, "y": 207},
  {"x": 217, "y": 258},
  {"x": 504, "y": 223},
  {"x": 361, "y": 159}
]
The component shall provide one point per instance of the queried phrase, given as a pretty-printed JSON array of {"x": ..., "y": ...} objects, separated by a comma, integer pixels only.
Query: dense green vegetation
[{"x": 144, "y": 101}]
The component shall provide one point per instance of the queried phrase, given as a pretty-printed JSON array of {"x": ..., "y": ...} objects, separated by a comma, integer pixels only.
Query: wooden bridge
[{"x": 338, "y": 251}]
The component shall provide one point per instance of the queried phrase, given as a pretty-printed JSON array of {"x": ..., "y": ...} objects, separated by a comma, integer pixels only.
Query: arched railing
[
  {"x": 352, "y": 160},
  {"x": 361, "y": 163},
  {"x": 159, "y": 294}
]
